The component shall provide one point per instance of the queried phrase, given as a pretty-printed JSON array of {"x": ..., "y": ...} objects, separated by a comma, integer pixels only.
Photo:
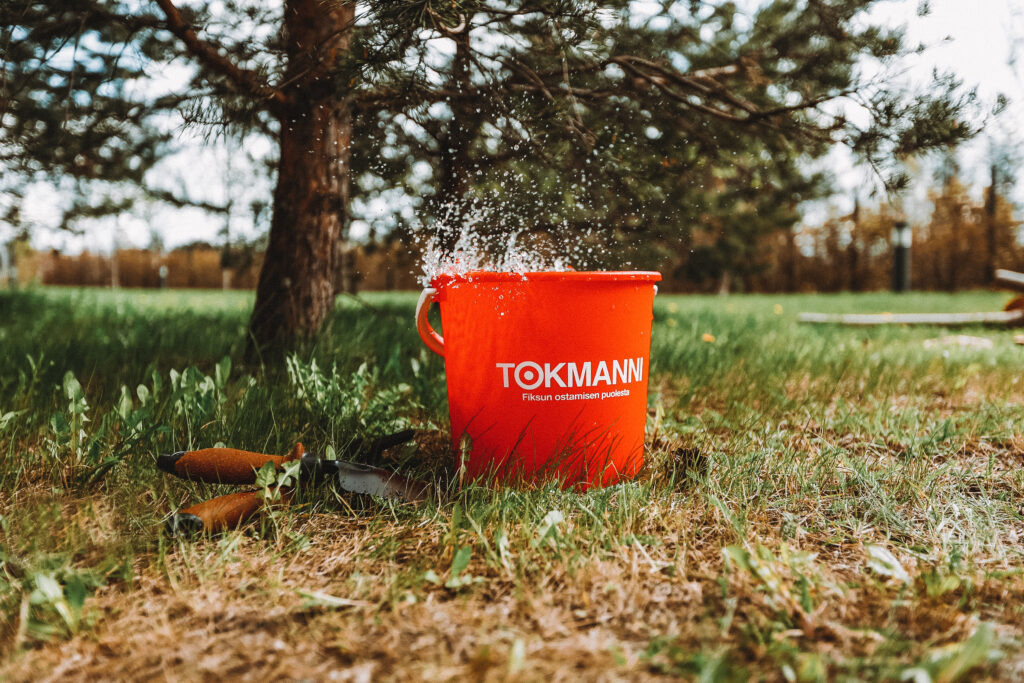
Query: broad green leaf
[{"x": 461, "y": 560}]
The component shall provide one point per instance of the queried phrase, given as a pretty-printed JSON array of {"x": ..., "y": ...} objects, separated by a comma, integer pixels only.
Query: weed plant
[{"x": 817, "y": 503}]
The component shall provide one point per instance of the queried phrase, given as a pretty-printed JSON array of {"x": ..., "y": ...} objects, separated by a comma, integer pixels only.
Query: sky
[{"x": 982, "y": 41}]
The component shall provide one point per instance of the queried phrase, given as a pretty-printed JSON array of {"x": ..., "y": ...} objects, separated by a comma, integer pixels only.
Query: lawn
[{"x": 817, "y": 503}]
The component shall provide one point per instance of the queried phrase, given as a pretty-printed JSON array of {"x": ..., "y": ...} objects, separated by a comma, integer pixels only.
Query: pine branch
[
  {"x": 247, "y": 81},
  {"x": 180, "y": 202}
]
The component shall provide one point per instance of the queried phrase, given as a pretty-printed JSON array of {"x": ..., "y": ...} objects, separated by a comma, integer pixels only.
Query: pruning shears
[{"x": 233, "y": 466}]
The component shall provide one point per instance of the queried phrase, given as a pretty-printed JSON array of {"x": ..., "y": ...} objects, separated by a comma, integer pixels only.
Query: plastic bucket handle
[{"x": 432, "y": 339}]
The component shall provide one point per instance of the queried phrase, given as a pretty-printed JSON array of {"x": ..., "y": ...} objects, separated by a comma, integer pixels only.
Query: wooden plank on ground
[
  {"x": 945, "y": 319},
  {"x": 1011, "y": 279}
]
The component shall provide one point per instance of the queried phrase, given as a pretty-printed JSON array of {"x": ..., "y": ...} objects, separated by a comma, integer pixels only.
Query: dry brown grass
[{"x": 239, "y": 606}]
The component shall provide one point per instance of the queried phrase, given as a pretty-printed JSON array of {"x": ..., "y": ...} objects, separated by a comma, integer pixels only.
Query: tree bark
[
  {"x": 990, "y": 217},
  {"x": 853, "y": 249},
  {"x": 725, "y": 283},
  {"x": 296, "y": 286},
  {"x": 792, "y": 283}
]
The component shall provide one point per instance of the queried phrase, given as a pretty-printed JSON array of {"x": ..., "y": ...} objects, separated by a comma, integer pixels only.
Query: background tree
[
  {"x": 65, "y": 111},
  {"x": 683, "y": 134},
  {"x": 854, "y": 252},
  {"x": 643, "y": 125}
]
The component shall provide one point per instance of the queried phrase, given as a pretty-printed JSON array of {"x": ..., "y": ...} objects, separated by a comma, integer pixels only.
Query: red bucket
[{"x": 547, "y": 372}]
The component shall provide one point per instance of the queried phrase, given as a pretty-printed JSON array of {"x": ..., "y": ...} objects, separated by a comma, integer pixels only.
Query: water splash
[{"x": 494, "y": 236}]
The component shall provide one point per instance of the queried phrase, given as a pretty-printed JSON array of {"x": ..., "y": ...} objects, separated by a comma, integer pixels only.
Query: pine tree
[
  {"x": 66, "y": 111},
  {"x": 697, "y": 114}
]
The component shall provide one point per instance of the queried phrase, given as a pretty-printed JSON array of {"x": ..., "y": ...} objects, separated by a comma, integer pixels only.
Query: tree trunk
[
  {"x": 792, "y": 284},
  {"x": 724, "y": 283},
  {"x": 990, "y": 216},
  {"x": 954, "y": 254},
  {"x": 853, "y": 249},
  {"x": 296, "y": 286}
]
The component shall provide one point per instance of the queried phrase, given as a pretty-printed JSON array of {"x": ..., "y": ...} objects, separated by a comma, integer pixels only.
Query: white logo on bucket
[{"x": 529, "y": 375}]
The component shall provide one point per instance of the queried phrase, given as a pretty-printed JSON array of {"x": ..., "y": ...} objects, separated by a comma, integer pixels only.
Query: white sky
[{"x": 981, "y": 40}]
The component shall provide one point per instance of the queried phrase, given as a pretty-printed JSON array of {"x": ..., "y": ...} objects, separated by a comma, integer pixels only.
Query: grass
[{"x": 817, "y": 503}]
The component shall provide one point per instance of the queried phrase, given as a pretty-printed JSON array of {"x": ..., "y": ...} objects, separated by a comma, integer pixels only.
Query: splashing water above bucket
[
  {"x": 503, "y": 252},
  {"x": 546, "y": 371},
  {"x": 503, "y": 234}
]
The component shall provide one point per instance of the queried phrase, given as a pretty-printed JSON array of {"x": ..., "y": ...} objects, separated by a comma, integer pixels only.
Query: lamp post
[{"x": 901, "y": 241}]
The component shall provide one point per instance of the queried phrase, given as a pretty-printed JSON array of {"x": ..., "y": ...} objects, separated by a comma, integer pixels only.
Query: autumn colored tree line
[
  {"x": 361, "y": 267},
  {"x": 957, "y": 247},
  {"x": 963, "y": 240}
]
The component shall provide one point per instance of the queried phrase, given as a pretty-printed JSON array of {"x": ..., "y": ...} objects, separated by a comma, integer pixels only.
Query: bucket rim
[{"x": 632, "y": 276}]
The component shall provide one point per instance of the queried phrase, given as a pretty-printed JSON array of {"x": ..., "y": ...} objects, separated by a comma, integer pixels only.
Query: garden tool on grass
[{"x": 232, "y": 466}]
